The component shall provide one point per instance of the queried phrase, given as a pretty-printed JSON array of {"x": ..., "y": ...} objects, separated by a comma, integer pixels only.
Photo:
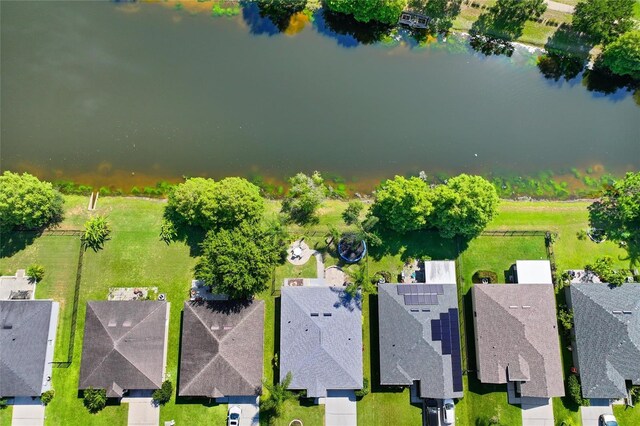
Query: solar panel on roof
[
  {"x": 446, "y": 334},
  {"x": 456, "y": 361},
  {"x": 435, "y": 330}
]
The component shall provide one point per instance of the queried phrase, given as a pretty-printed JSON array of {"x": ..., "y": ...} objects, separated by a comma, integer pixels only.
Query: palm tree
[
  {"x": 278, "y": 395},
  {"x": 359, "y": 281}
]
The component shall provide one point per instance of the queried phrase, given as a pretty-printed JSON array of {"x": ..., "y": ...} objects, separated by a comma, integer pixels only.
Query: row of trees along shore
[{"x": 238, "y": 245}]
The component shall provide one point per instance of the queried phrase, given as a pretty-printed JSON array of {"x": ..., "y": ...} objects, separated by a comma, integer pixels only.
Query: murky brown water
[{"x": 100, "y": 93}]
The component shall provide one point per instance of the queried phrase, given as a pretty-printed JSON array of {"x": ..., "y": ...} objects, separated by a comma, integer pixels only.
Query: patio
[{"x": 17, "y": 287}]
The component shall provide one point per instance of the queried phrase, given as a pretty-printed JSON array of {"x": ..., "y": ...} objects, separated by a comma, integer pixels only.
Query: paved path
[
  {"x": 537, "y": 412},
  {"x": 559, "y": 7},
  {"x": 250, "y": 409},
  {"x": 319, "y": 264},
  {"x": 590, "y": 414},
  {"x": 143, "y": 412},
  {"x": 304, "y": 253},
  {"x": 340, "y": 408},
  {"x": 27, "y": 412}
]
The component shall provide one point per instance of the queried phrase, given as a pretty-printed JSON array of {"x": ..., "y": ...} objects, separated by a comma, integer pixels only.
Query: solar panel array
[
  {"x": 420, "y": 289},
  {"x": 446, "y": 330},
  {"x": 420, "y": 294}
]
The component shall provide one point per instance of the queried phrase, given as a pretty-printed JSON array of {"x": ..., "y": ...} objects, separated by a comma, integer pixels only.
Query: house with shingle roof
[
  {"x": 607, "y": 338},
  {"x": 420, "y": 338},
  {"x": 516, "y": 337},
  {"x": 27, "y": 341},
  {"x": 320, "y": 339},
  {"x": 222, "y": 349},
  {"x": 125, "y": 346}
]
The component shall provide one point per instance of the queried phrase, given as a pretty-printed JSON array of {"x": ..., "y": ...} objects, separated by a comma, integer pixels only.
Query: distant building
[
  {"x": 420, "y": 335},
  {"x": 413, "y": 19},
  {"x": 222, "y": 349},
  {"x": 125, "y": 346},
  {"x": 320, "y": 340},
  {"x": 607, "y": 338},
  {"x": 27, "y": 340}
]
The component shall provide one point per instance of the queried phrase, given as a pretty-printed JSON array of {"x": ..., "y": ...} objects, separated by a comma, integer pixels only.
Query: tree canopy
[
  {"x": 603, "y": 268},
  {"x": 211, "y": 205},
  {"x": 239, "y": 261},
  {"x": 603, "y": 20},
  {"x": 96, "y": 233},
  {"x": 403, "y": 204},
  {"x": 27, "y": 202},
  {"x": 617, "y": 213},
  {"x": 385, "y": 11},
  {"x": 506, "y": 18},
  {"x": 464, "y": 206},
  {"x": 305, "y": 196},
  {"x": 622, "y": 56}
]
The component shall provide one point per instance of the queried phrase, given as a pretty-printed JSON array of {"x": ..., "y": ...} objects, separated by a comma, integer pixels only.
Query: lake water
[{"x": 105, "y": 93}]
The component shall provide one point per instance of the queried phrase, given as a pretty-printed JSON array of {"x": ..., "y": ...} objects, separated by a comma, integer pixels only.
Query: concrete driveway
[
  {"x": 537, "y": 412},
  {"x": 590, "y": 414},
  {"x": 249, "y": 405},
  {"x": 143, "y": 412},
  {"x": 340, "y": 408},
  {"x": 27, "y": 412}
]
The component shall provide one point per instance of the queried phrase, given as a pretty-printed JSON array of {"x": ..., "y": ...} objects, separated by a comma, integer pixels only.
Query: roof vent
[
  {"x": 112, "y": 323},
  {"x": 415, "y": 310},
  {"x": 127, "y": 323},
  {"x": 526, "y": 306},
  {"x": 315, "y": 314},
  {"x": 513, "y": 307},
  {"x": 215, "y": 327},
  {"x": 227, "y": 327},
  {"x": 7, "y": 326},
  {"x": 627, "y": 312},
  {"x": 326, "y": 314},
  {"x": 617, "y": 312}
]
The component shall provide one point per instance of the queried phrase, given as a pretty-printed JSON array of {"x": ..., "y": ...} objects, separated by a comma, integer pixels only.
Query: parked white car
[
  {"x": 607, "y": 420},
  {"x": 233, "y": 416},
  {"x": 448, "y": 412}
]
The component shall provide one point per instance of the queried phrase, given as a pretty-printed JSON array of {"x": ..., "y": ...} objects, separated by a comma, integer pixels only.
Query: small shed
[
  {"x": 413, "y": 19},
  {"x": 533, "y": 272}
]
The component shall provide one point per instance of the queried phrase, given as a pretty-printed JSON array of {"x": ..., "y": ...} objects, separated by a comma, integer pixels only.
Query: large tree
[
  {"x": 27, "y": 202},
  {"x": 464, "y": 206},
  {"x": 212, "y": 205},
  {"x": 385, "y": 11},
  {"x": 239, "y": 261},
  {"x": 622, "y": 56},
  {"x": 603, "y": 20},
  {"x": 617, "y": 213},
  {"x": 305, "y": 196},
  {"x": 403, "y": 204}
]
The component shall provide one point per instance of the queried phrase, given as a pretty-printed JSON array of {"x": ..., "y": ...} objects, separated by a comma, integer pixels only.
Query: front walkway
[
  {"x": 537, "y": 412},
  {"x": 27, "y": 412},
  {"x": 249, "y": 406},
  {"x": 340, "y": 408}
]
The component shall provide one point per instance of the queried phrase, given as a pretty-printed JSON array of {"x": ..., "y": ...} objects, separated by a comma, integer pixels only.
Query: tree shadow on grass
[
  {"x": 11, "y": 242},
  {"x": 417, "y": 245}
]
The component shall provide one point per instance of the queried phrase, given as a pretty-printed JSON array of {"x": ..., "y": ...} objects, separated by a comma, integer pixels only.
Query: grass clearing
[{"x": 135, "y": 257}]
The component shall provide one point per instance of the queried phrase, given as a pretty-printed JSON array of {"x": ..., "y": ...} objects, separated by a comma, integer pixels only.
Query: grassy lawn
[
  {"x": 135, "y": 257},
  {"x": 5, "y": 415},
  {"x": 627, "y": 416}
]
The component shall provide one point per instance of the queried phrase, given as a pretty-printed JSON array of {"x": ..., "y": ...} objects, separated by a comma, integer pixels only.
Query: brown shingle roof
[
  {"x": 222, "y": 349},
  {"x": 517, "y": 337},
  {"x": 123, "y": 345}
]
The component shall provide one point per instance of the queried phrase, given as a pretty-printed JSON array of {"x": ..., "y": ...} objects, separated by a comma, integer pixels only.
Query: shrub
[
  {"x": 3, "y": 403},
  {"x": 365, "y": 388},
  {"x": 96, "y": 232},
  {"x": 565, "y": 318},
  {"x": 575, "y": 390},
  {"x": 35, "y": 273},
  {"x": 351, "y": 214},
  {"x": 163, "y": 395},
  {"x": 95, "y": 399},
  {"x": 581, "y": 235},
  {"x": 47, "y": 396}
]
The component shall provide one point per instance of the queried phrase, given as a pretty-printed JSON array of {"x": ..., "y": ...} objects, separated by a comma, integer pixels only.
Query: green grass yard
[{"x": 135, "y": 257}]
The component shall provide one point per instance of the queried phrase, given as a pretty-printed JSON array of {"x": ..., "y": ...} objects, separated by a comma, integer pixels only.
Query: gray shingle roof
[
  {"x": 322, "y": 351},
  {"x": 517, "y": 337},
  {"x": 24, "y": 332},
  {"x": 222, "y": 349},
  {"x": 123, "y": 345},
  {"x": 607, "y": 331},
  {"x": 407, "y": 350}
]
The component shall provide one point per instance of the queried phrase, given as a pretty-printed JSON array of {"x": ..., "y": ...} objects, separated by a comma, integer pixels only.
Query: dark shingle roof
[
  {"x": 123, "y": 345},
  {"x": 320, "y": 339},
  {"x": 607, "y": 330},
  {"x": 517, "y": 337},
  {"x": 407, "y": 349},
  {"x": 222, "y": 349},
  {"x": 24, "y": 331}
]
